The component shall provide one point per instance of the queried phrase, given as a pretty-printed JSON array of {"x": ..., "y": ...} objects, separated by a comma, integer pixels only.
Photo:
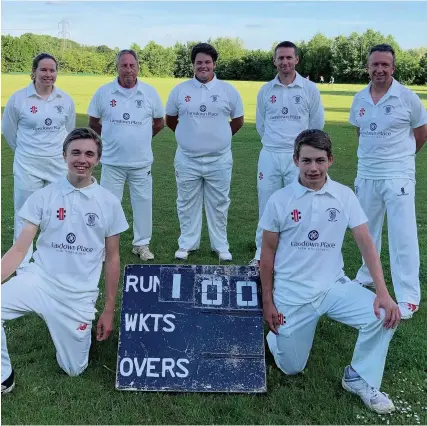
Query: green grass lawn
[{"x": 44, "y": 395}]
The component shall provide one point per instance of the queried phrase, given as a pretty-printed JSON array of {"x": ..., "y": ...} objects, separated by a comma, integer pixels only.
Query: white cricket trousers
[
  {"x": 397, "y": 198},
  {"x": 275, "y": 171},
  {"x": 348, "y": 303},
  {"x": 140, "y": 183},
  {"x": 203, "y": 179},
  {"x": 31, "y": 174},
  {"x": 69, "y": 328}
]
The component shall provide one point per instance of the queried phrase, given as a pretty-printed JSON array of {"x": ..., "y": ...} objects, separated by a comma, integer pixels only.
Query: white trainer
[
  {"x": 407, "y": 309},
  {"x": 143, "y": 252},
  {"x": 372, "y": 397},
  {"x": 181, "y": 254}
]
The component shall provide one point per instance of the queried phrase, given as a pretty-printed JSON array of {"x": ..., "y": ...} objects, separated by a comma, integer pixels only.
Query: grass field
[{"x": 44, "y": 395}]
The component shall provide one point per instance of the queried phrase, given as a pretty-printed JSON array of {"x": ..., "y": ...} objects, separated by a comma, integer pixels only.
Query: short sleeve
[
  {"x": 158, "y": 110},
  {"x": 32, "y": 210},
  {"x": 352, "y": 116},
  {"x": 356, "y": 215},
  {"x": 270, "y": 219},
  {"x": 236, "y": 104},
  {"x": 94, "y": 109},
  {"x": 172, "y": 103},
  {"x": 117, "y": 220},
  {"x": 418, "y": 112}
]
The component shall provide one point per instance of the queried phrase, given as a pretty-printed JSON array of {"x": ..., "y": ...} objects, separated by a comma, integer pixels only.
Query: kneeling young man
[
  {"x": 78, "y": 220},
  {"x": 303, "y": 230}
]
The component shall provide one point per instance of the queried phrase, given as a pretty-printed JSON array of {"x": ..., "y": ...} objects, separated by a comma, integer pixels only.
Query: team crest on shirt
[
  {"x": 113, "y": 103},
  {"x": 285, "y": 110},
  {"x": 362, "y": 112},
  {"x": 48, "y": 122},
  {"x": 333, "y": 213},
  {"x": 33, "y": 109},
  {"x": 139, "y": 103},
  {"x": 91, "y": 219},
  {"x": 388, "y": 109},
  {"x": 296, "y": 215},
  {"x": 59, "y": 108},
  {"x": 273, "y": 99},
  {"x": 187, "y": 98},
  {"x": 297, "y": 99},
  {"x": 215, "y": 98}
]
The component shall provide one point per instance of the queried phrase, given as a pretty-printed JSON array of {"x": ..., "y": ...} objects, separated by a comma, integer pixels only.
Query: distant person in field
[
  {"x": 35, "y": 122},
  {"x": 303, "y": 279},
  {"x": 332, "y": 80},
  {"x": 286, "y": 106},
  {"x": 391, "y": 124},
  {"x": 322, "y": 80},
  {"x": 204, "y": 113},
  {"x": 128, "y": 113},
  {"x": 78, "y": 220}
]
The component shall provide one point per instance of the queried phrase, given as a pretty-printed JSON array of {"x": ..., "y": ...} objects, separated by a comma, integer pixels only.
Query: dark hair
[
  {"x": 124, "y": 52},
  {"x": 37, "y": 60},
  {"x": 383, "y": 48},
  {"x": 286, "y": 44},
  {"x": 205, "y": 48},
  {"x": 315, "y": 138},
  {"x": 83, "y": 133}
]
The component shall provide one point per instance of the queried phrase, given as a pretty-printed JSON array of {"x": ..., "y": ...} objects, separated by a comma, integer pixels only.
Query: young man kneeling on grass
[
  {"x": 78, "y": 220},
  {"x": 302, "y": 273}
]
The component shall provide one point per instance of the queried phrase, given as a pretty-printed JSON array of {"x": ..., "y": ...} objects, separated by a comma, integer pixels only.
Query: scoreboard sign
[{"x": 191, "y": 328}]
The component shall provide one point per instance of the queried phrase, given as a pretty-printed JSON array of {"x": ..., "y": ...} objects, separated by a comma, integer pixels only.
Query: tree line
[{"x": 343, "y": 57}]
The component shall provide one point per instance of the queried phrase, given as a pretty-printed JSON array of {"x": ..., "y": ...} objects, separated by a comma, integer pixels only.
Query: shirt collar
[
  {"x": 394, "y": 90},
  {"x": 298, "y": 81},
  {"x": 67, "y": 188},
  {"x": 329, "y": 187},
  {"x": 31, "y": 91},
  {"x": 118, "y": 88},
  {"x": 198, "y": 84}
]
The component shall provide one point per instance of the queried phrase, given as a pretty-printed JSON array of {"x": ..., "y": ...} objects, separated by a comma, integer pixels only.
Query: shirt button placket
[
  {"x": 315, "y": 210},
  {"x": 76, "y": 194}
]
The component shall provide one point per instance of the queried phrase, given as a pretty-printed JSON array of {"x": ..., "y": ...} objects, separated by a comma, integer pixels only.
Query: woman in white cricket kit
[
  {"x": 302, "y": 273},
  {"x": 35, "y": 122},
  {"x": 391, "y": 124},
  {"x": 199, "y": 112},
  {"x": 286, "y": 106},
  {"x": 78, "y": 221}
]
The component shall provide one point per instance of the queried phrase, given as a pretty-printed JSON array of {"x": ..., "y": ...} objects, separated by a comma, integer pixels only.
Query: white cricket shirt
[
  {"x": 283, "y": 112},
  {"x": 74, "y": 224},
  {"x": 387, "y": 143},
  {"x": 204, "y": 112},
  {"x": 127, "y": 122},
  {"x": 311, "y": 225},
  {"x": 37, "y": 127}
]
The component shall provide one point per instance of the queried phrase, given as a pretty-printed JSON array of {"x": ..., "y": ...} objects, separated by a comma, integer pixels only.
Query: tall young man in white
[
  {"x": 391, "y": 124},
  {"x": 128, "y": 113},
  {"x": 78, "y": 221},
  {"x": 302, "y": 273},
  {"x": 204, "y": 113},
  {"x": 35, "y": 122},
  {"x": 286, "y": 106}
]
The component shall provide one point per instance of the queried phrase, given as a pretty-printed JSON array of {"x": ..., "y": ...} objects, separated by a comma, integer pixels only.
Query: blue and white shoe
[{"x": 372, "y": 397}]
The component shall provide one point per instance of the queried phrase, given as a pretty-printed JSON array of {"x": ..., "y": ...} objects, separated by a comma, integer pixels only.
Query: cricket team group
[{"x": 303, "y": 213}]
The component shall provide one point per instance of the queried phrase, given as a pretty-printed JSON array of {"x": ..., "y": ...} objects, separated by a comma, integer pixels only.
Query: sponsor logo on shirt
[
  {"x": 59, "y": 108},
  {"x": 215, "y": 98},
  {"x": 33, "y": 109},
  {"x": 273, "y": 99},
  {"x": 202, "y": 108},
  {"x": 60, "y": 213},
  {"x": 362, "y": 112},
  {"x": 333, "y": 214},
  {"x": 70, "y": 247},
  {"x": 139, "y": 103},
  {"x": 285, "y": 116},
  {"x": 373, "y": 127},
  {"x": 388, "y": 109},
  {"x": 372, "y": 132},
  {"x": 48, "y": 122},
  {"x": 261, "y": 176},
  {"x": 187, "y": 98},
  {"x": 71, "y": 238},
  {"x": 285, "y": 110},
  {"x": 313, "y": 244},
  {"x": 313, "y": 235},
  {"x": 297, "y": 99},
  {"x": 113, "y": 103},
  {"x": 82, "y": 327},
  {"x": 91, "y": 219},
  {"x": 402, "y": 192},
  {"x": 126, "y": 116},
  {"x": 296, "y": 215}
]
